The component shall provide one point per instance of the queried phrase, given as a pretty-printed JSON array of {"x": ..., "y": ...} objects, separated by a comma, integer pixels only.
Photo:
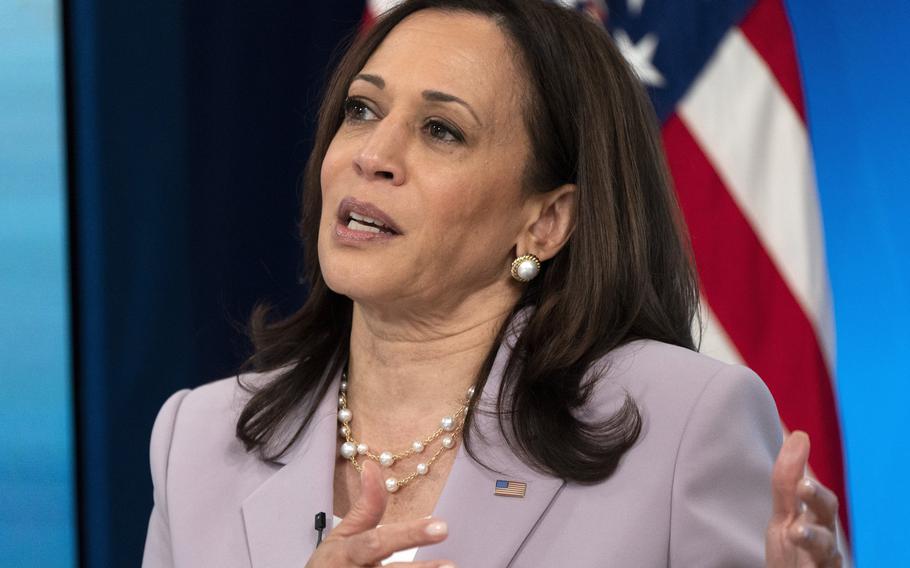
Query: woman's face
[{"x": 433, "y": 146}]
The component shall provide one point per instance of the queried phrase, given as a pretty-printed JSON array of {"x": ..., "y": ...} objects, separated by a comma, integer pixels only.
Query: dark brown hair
[{"x": 624, "y": 274}]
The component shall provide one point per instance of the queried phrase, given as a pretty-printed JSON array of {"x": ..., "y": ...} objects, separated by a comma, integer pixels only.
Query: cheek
[
  {"x": 330, "y": 174},
  {"x": 331, "y": 165},
  {"x": 479, "y": 221}
]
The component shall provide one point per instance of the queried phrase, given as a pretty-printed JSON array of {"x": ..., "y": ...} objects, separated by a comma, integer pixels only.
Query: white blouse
[{"x": 400, "y": 556}]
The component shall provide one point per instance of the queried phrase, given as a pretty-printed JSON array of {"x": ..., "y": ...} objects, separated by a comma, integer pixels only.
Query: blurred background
[{"x": 149, "y": 158}]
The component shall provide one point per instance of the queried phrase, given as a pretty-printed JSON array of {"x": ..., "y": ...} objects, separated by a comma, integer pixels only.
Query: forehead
[{"x": 461, "y": 53}]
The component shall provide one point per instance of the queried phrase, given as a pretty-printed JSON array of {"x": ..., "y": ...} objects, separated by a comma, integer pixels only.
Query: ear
[{"x": 551, "y": 222}]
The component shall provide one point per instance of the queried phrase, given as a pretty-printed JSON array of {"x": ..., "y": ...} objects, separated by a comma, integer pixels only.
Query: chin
[
  {"x": 355, "y": 272},
  {"x": 353, "y": 278},
  {"x": 359, "y": 291}
]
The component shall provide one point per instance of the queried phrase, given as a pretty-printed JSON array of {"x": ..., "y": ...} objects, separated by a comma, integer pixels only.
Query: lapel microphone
[{"x": 320, "y": 526}]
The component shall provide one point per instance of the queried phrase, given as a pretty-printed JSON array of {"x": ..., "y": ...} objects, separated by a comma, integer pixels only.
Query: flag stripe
[
  {"x": 768, "y": 30},
  {"x": 758, "y": 145},
  {"x": 755, "y": 306},
  {"x": 378, "y": 7},
  {"x": 714, "y": 340}
]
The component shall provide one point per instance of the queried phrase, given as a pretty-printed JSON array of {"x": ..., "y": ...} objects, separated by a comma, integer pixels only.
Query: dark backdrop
[{"x": 188, "y": 127}]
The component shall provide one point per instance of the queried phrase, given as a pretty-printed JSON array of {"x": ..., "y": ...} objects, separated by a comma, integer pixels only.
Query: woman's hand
[
  {"x": 356, "y": 541},
  {"x": 800, "y": 536}
]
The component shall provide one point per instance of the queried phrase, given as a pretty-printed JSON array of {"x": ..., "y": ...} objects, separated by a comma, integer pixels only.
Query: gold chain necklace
[{"x": 447, "y": 434}]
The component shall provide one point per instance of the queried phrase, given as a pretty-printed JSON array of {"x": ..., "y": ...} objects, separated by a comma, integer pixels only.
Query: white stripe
[
  {"x": 379, "y": 7},
  {"x": 758, "y": 145},
  {"x": 715, "y": 342}
]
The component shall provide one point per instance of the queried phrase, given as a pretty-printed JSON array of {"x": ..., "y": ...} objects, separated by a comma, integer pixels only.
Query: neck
[{"x": 406, "y": 373}]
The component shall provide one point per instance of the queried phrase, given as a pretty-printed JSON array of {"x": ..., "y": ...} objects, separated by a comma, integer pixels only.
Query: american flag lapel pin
[{"x": 508, "y": 488}]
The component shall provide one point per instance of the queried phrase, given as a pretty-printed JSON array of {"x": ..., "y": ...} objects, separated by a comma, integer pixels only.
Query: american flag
[
  {"x": 724, "y": 80},
  {"x": 509, "y": 488}
]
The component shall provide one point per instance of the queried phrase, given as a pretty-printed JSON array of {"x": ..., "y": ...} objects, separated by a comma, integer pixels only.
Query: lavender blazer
[{"x": 693, "y": 491}]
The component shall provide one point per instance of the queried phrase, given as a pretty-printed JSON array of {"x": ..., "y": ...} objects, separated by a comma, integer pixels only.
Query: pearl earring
[{"x": 525, "y": 268}]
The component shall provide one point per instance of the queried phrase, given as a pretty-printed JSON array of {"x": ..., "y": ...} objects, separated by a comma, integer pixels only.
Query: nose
[{"x": 382, "y": 155}]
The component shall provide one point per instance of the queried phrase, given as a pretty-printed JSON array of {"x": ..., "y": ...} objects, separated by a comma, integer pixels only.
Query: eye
[
  {"x": 443, "y": 132},
  {"x": 357, "y": 109}
]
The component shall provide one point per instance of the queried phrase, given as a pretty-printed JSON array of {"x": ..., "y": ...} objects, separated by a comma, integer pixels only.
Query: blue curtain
[{"x": 188, "y": 127}]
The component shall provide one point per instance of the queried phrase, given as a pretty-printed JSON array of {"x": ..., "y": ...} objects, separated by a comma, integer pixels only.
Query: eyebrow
[
  {"x": 440, "y": 97},
  {"x": 430, "y": 95},
  {"x": 375, "y": 79}
]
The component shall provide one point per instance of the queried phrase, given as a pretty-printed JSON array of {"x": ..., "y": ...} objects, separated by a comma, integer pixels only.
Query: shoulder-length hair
[{"x": 624, "y": 274}]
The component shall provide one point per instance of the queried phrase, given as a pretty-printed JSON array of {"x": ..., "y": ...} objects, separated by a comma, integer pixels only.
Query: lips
[{"x": 361, "y": 216}]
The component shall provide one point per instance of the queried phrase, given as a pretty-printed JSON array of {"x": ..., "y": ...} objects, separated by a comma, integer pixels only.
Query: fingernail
[
  {"x": 437, "y": 528},
  {"x": 805, "y": 533},
  {"x": 447, "y": 566},
  {"x": 809, "y": 484}
]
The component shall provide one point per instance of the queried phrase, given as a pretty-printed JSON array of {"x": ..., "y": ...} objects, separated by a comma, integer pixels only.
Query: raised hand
[
  {"x": 802, "y": 531},
  {"x": 357, "y": 541}
]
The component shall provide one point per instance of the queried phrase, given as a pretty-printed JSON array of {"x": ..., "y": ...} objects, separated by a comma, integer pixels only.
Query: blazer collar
[
  {"x": 279, "y": 516},
  {"x": 484, "y": 529}
]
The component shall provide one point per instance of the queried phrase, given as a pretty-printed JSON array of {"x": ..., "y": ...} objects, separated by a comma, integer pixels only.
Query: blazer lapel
[
  {"x": 484, "y": 529},
  {"x": 279, "y": 516},
  {"x": 487, "y": 529}
]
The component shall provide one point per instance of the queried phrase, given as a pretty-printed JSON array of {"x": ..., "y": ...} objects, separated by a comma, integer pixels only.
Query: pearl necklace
[{"x": 449, "y": 428}]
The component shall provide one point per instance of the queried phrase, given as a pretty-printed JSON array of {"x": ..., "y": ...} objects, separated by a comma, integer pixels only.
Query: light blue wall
[
  {"x": 856, "y": 70},
  {"x": 37, "y": 518}
]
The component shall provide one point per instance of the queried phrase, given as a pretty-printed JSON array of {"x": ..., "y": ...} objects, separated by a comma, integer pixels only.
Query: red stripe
[
  {"x": 366, "y": 21},
  {"x": 756, "y": 307},
  {"x": 768, "y": 30}
]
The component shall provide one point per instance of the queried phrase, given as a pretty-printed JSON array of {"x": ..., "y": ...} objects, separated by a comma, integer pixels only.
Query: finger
[
  {"x": 789, "y": 468},
  {"x": 424, "y": 564},
  {"x": 818, "y": 541},
  {"x": 820, "y": 500},
  {"x": 373, "y": 546},
  {"x": 370, "y": 506}
]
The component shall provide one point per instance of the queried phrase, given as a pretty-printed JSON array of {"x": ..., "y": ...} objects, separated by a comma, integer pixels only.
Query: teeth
[
  {"x": 355, "y": 226},
  {"x": 366, "y": 219}
]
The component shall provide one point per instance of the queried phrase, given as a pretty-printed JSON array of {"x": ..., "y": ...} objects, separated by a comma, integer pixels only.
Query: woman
[{"x": 500, "y": 314}]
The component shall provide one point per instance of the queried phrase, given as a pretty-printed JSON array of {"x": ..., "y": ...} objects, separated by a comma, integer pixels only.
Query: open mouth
[
  {"x": 358, "y": 222},
  {"x": 365, "y": 218}
]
